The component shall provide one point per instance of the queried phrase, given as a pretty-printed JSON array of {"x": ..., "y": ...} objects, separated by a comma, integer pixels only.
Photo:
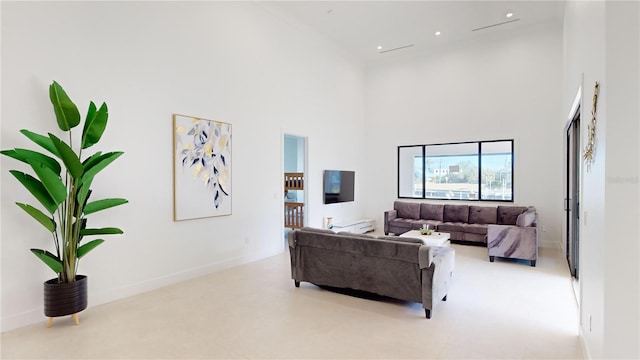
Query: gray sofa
[
  {"x": 467, "y": 223},
  {"x": 401, "y": 268},
  {"x": 518, "y": 241}
]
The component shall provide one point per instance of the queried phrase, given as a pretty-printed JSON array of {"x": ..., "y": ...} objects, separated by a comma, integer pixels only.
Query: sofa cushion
[
  {"x": 527, "y": 218},
  {"x": 456, "y": 213},
  {"x": 482, "y": 215},
  {"x": 507, "y": 215},
  {"x": 431, "y": 212},
  {"x": 476, "y": 238},
  {"x": 452, "y": 227},
  {"x": 479, "y": 229},
  {"x": 405, "y": 223},
  {"x": 407, "y": 210}
]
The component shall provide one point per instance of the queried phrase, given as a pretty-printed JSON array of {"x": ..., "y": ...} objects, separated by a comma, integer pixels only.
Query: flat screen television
[{"x": 338, "y": 186}]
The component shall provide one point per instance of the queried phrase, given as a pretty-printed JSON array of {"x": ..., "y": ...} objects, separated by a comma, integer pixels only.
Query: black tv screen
[{"x": 338, "y": 186}]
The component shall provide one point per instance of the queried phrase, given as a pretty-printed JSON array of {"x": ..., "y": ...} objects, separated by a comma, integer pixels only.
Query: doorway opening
[
  {"x": 295, "y": 184},
  {"x": 573, "y": 161}
]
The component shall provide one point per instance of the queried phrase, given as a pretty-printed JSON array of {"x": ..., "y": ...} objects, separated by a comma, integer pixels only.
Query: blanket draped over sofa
[{"x": 400, "y": 268}]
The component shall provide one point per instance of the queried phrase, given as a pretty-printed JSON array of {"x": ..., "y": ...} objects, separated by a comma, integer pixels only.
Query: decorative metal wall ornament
[{"x": 591, "y": 142}]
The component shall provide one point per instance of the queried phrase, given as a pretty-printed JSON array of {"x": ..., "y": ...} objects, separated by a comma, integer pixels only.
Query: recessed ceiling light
[
  {"x": 379, "y": 47},
  {"x": 437, "y": 33},
  {"x": 509, "y": 14}
]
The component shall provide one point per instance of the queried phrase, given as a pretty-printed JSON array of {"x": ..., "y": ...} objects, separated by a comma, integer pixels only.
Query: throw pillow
[{"x": 525, "y": 219}]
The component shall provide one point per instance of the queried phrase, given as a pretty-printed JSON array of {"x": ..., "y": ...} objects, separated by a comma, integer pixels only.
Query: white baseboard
[
  {"x": 26, "y": 318},
  {"x": 549, "y": 244},
  {"x": 583, "y": 344},
  {"x": 108, "y": 295}
]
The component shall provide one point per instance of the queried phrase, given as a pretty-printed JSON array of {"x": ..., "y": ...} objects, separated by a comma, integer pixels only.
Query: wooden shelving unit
[{"x": 293, "y": 211}]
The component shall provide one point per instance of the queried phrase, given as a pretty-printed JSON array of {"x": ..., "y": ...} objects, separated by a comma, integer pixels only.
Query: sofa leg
[
  {"x": 533, "y": 263},
  {"x": 427, "y": 313},
  {"x": 491, "y": 258},
  {"x": 297, "y": 283},
  {"x": 444, "y": 298}
]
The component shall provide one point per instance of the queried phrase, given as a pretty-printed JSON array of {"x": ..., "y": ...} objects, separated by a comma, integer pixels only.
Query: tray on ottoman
[{"x": 435, "y": 239}]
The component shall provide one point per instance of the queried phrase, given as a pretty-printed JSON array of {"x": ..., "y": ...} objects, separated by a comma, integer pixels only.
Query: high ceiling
[{"x": 360, "y": 27}]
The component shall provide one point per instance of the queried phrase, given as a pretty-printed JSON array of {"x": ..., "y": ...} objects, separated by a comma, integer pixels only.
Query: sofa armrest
[
  {"x": 291, "y": 238},
  {"x": 388, "y": 216},
  {"x": 497, "y": 232},
  {"x": 437, "y": 256},
  {"x": 512, "y": 241},
  {"x": 528, "y": 218},
  {"x": 425, "y": 257},
  {"x": 445, "y": 257},
  {"x": 436, "y": 279}
]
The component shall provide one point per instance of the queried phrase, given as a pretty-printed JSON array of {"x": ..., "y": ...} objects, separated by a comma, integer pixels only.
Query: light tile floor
[{"x": 495, "y": 310}]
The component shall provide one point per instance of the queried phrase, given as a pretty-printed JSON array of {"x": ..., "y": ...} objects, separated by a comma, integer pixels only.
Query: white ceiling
[{"x": 361, "y": 26}]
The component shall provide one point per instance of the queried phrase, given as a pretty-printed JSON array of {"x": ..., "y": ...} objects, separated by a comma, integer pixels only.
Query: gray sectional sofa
[
  {"x": 519, "y": 241},
  {"x": 466, "y": 223},
  {"x": 401, "y": 268}
]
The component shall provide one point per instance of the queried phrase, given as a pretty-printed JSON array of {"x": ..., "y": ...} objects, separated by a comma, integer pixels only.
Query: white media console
[{"x": 359, "y": 226}]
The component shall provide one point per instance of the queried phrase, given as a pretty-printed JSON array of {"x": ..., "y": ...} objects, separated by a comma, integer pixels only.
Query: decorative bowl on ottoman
[{"x": 426, "y": 231}]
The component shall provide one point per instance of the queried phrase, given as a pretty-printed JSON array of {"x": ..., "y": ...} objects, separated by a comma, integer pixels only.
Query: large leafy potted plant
[{"x": 62, "y": 186}]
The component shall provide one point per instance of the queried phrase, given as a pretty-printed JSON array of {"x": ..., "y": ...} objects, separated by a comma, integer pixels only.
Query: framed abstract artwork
[{"x": 201, "y": 168}]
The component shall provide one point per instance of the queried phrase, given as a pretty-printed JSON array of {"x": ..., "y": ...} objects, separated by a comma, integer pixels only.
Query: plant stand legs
[{"x": 75, "y": 318}]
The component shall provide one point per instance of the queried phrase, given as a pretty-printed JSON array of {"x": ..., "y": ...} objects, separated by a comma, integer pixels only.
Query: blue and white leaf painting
[{"x": 202, "y": 168}]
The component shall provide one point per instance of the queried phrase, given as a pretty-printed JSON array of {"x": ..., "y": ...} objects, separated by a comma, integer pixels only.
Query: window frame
[{"x": 479, "y": 155}]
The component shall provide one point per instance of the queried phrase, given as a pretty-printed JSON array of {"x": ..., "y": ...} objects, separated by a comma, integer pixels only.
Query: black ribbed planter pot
[{"x": 66, "y": 298}]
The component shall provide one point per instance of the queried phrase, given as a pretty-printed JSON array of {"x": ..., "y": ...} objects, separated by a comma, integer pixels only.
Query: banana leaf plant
[{"x": 62, "y": 183}]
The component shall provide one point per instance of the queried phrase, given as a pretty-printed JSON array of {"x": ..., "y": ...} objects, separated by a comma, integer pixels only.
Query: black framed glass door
[{"x": 572, "y": 195}]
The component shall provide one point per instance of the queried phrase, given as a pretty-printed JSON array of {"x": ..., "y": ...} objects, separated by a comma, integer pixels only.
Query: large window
[{"x": 480, "y": 170}]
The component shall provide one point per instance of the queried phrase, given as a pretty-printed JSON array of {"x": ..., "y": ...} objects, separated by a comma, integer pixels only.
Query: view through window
[{"x": 480, "y": 170}]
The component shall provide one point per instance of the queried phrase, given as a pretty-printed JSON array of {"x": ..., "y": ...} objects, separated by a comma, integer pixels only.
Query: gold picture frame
[{"x": 202, "y": 167}]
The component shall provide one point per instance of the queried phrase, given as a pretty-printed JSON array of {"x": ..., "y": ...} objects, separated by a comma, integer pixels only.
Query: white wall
[
  {"x": 584, "y": 42},
  {"x": 504, "y": 85},
  {"x": 601, "y": 44},
  {"x": 235, "y": 62},
  {"x": 622, "y": 189}
]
